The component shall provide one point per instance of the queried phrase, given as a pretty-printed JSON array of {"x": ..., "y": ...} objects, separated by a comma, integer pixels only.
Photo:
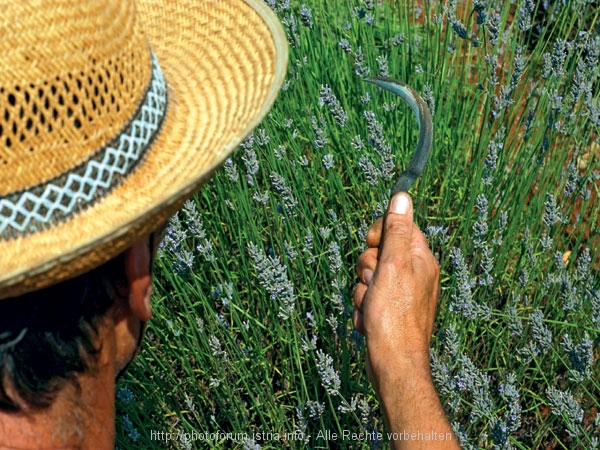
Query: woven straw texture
[{"x": 223, "y": 62}]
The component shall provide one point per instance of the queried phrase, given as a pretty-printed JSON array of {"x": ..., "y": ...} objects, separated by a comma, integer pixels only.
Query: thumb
[{"x": 397, "y": 230}]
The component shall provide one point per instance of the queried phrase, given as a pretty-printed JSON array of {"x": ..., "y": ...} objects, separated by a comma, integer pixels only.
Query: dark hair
[{"x": 48, "y": 337}]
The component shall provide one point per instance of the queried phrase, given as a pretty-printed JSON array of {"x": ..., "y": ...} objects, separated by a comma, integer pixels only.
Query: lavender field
[{"x": 251, "y": 345}]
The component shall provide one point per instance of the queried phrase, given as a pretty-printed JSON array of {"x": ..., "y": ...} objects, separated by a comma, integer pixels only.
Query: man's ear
[{"x": 137, "y": 270}]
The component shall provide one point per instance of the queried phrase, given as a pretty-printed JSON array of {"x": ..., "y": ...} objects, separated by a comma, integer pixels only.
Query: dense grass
[{"x": 252, "y": 329}]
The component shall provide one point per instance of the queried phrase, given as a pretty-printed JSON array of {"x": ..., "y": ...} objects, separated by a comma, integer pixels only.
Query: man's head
[
  {"x": 112, "y": 114},
  {"x": 51, "y": 336},
  {"x": 64, "y": 346}
]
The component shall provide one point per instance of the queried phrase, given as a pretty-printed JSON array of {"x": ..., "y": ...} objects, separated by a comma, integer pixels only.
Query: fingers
[
  {"x": 374, "y": 233},
  {"x": 357, "y": 320},
  {"x": 357, "y": 315},
  {"x": 421, "y": 256},
  {"x": 358, "y": 295},
  {"x": 398, "y": 231},
  {"x": 366, "y": 264}
]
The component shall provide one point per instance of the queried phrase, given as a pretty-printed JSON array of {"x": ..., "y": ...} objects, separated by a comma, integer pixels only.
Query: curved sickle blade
[{"x": 423, "y": 116}]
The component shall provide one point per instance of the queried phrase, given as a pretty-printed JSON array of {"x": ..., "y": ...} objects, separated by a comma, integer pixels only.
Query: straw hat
[{"x": 112, "y": 114}]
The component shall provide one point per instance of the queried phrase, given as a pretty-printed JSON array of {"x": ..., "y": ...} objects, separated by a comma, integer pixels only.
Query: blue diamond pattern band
[{"x": 58, "y": 199}]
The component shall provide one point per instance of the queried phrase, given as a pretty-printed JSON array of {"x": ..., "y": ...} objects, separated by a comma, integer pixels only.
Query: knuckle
[
  {"x": 358, "y": 295},
  {"x": 397, "y": 225},
  {"x": 374, "y": 233},
  {"x": 423, "y": 254},
  {"x": 360, "y": 262},
  {"x": 367, "y": 260}
]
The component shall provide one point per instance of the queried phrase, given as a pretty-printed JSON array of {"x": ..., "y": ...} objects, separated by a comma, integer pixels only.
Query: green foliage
[{"x": 252, "y": 330}]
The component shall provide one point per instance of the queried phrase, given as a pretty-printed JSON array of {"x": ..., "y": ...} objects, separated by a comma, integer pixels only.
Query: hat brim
[{"x": 224, "y": 63}]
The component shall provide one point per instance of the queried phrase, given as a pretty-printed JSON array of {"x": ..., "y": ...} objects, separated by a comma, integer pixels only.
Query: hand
[
  {"x": 394, "y": 307},
  {"x": 396, "y": 298}
]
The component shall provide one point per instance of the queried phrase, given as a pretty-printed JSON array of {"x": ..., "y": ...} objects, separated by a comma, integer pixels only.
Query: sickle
[{"x": 423, "y": 116}]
